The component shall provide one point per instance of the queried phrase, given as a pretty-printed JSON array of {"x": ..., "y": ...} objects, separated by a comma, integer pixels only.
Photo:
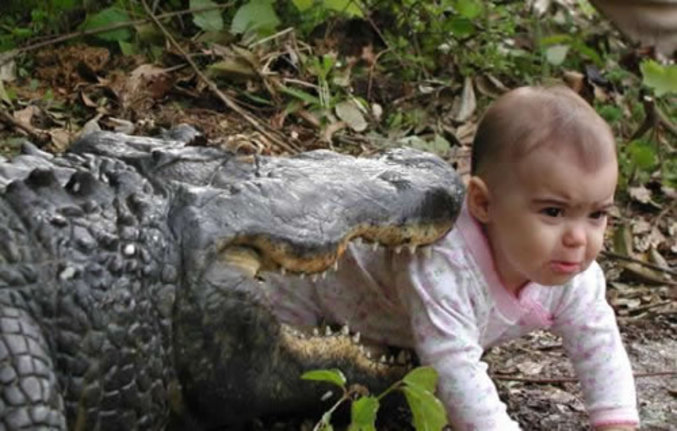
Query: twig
[
  {"x": 36, "y": 134},
  {"x": 215, "y": 89},
  {"x": 74, "y": 35},
  {"x": 665, "y": 121},
  {"x": 567, "y": 379},
  {"x": 654, "y": 117},
  {"x": 639, "y": 261},
  {"x": 271, "y": 37}
]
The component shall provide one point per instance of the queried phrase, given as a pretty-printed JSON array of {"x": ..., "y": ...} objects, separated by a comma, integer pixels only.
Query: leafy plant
[
  {"x": 662, "y": 79},
  {"x": 418, "y": 387}
]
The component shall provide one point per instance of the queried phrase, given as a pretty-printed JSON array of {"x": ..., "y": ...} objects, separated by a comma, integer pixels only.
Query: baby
[{"x": 520, "y": 257}]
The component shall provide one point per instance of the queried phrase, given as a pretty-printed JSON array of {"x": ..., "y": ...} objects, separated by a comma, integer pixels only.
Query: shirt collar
[{"x": 509, "y": 305}]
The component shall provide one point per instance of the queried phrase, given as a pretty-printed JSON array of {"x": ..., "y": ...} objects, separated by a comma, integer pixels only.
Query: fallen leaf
[
  {"x": 60, "y": 139},
  {"x": 465, "y": 106},
  {"x": 530, "y": 368},
  {"x": 622, "y": 240},
  {"x": 645, "y": 274},
  {"x": 3, "y": 94},
  {"x": 25, "y": 116},
  {"x": 351, "y": 114},
  {"x": 488, "y": 85},
  {"x": 556, "y": 54},
  {"x": 641, "y": 194}
]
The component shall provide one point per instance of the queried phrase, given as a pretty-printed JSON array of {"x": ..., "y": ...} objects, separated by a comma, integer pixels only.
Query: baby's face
[{"x": 547, "y": 220}]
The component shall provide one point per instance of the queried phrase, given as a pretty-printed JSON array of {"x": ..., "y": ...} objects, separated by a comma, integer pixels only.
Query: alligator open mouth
[{"x": 299, "y": 215}]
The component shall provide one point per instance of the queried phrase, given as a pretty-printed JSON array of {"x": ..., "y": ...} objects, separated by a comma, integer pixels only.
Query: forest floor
[{"x": 65, "y": 89}]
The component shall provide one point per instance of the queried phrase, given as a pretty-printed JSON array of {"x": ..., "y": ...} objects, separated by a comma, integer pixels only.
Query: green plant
[{"x": 418, "y": 387}]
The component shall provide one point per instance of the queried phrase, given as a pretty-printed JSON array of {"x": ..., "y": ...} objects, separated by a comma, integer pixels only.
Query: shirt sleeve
[
  {"x": 446, "y": 337},
  {"x": 591, "y": 338}
]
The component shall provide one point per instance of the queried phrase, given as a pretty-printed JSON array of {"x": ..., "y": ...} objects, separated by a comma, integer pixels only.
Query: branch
[
  {"x": 215, "y": 89},
  {"x": 36, "y": 134},
  {"x": 613, "y": 255}
]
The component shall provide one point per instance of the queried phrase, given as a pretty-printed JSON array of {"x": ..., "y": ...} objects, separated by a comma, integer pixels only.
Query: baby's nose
[{"x": 574, "y": 236}]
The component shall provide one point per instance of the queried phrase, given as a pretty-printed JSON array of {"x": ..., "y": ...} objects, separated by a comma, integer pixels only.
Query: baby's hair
[{"x": 528, "y": 118}]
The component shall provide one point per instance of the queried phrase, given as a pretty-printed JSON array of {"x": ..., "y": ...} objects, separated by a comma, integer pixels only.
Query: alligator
[{"x": 130, "y": 276}]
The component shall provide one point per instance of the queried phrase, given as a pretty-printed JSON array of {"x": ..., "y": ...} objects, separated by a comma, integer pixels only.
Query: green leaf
[
  {"x": 363, "y": 414},
  {"x": 427, "y": 411},
  {"x": 334, "y": 376},
  {"x": 63, "y": 5},
  {"x": 347, "y": 7},
  {"x": 301, "y": 95},
  {"x": 257, "y": 15},
  {"x": 468, "y": 8},
  {"x": 108, "y": 17},
  {"x": 461, "y": 26},
  {"x": 127, "y": 48},
  {"x": 423, "y": 377},
  {"x": 208, "y": 20},
  {"x": 303, "y": 5},
  {"x": 661, "y": 79},
  {"x": 556, "y": 54},
  {"x": 642, "y": 154}
]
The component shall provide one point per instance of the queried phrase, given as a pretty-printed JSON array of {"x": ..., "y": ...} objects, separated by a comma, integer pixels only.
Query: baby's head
[{"x": 544, "y": 173}]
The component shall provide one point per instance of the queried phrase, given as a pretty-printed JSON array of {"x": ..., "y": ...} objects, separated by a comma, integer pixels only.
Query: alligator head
[{"x": 238, "y": 217}]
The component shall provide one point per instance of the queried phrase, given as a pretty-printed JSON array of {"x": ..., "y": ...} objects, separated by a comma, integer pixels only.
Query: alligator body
[{"x": 129, "y": 288}]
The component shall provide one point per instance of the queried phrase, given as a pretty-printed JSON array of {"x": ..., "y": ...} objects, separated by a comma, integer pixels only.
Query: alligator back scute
[{"x": 83, "y": 331}]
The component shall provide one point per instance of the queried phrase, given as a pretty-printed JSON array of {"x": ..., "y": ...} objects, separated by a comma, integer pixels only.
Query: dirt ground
[{"x": 652, "y": 347}]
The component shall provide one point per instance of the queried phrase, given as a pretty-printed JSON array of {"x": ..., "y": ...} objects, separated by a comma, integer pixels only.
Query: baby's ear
[{"x": 478, "y": 199}]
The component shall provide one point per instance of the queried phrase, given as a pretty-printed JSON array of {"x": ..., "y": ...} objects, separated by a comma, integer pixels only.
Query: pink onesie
[{"x": 450, "y": 306}]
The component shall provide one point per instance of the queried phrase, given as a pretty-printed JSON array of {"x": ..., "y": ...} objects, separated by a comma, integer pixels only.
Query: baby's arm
[
  {"x": 446, "y": 338},
  {"x": 591, "y": 338}
]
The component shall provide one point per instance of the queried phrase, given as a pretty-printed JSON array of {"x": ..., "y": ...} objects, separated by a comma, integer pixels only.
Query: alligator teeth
[
  {"x": 357, "y": 240},
  {"x": 398, "y": 249},
  {"x": 391, "y": 359},
  {"x": 316, "y": 332},
  {"x": 283, "y": 271},
  {"x": 412, "y": 248},
  {"x": 402, "y": 357},
  {"x": 383, "y": 359},
  {"x": 314, "y": 277},
  {"x": 302, "y": 275},
  {"x": 427, "y": 252},
  {"x": 327, "y": 395},
  {"x": 345, "y": 330},
  {"x": 334, "y": 266},
  {"x": 374, "y": 246},
  {"x": 367, "y": 353},
  {"x": 327, "y": 331},
  {"x": 324, "y": 275},
  {"x": 356, "y": 338}
]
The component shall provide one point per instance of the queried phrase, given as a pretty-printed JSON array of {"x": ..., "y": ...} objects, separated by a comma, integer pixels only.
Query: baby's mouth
[{"x": 564, "y": 267}]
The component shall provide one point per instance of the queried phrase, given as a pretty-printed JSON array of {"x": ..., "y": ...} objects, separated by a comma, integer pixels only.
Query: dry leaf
[
  {"x": 350, "y": 113},
  {"x": 530, "y": 368},
  {"x": 465, "y": 106},
  {"x": 60, "y": 139},
  {"x": 25, "y": 116},
  {"x": 641, "y": 194}
]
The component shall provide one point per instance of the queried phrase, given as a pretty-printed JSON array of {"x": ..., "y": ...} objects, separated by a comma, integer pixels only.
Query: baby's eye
[
  {"x": 552, "y": 212},
  {"x": 598, "y": 215}
]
